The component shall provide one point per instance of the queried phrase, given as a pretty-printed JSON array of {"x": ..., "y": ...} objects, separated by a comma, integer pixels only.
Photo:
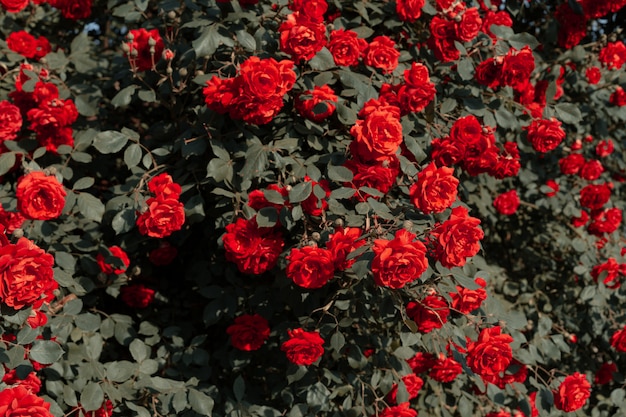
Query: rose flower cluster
[{"x": 164, "y": 214}]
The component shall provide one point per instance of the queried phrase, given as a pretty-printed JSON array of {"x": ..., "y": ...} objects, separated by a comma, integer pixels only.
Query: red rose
[
  {"x": 572, "y": 26},
  {"x": 571, "y": 163},
  {"x": 74, "y": 9},
  {"x": 604, "y": 148},
  {"x": 163, "y": 217},
  {"x": 378, "y": 175},
  {"x": 137, "y": 295},
  {"x": 378, "y": 136},
  {"x": 604, "y": 375},
  {"x": 51, "y": 121},
  {"x": 19, "y": 401},
  {"x": 412, "y": 383},
  {"x": 605, "y": 221},
  {"x": 10, "y": 121},
  {"x": 119, "y": 263},
  {"x": 618, "y": 340},
  {"x": 591, "y": 170},
  {"x": 402, "y": 410},
  {"x": 254, "y": 249},
  {"x": 310, "y": 267},
  {"x": 457, "y": 239},
  {"x": 445, "y": 369},
  {"x": 573, "y": 392},
  {"x": 346, "y": 47},
  {"x": 301, "y": 38},
  {"x": 163, "y": 184},
  {"x": 303, "y": 348},
  {"x": 435, "y": 189},
  {"x": 469, "y": 26},
  {"x": 595, "y": 196},
  {"x": 313, "y": 10},
  {"x": 163, "y": 255},
  {"x": 32, "y": 383},
  {"x": 409, "y": 10},
  {"x": 430, "y": 313},
  {"x": 447, "y": 151},
  {"x": 14, "y": 6},
  {"x": 500, "y": 18},
  {"x": 580, "y": 220},
  {"x": 381, "y": 54},
  {"x": 613, "y": 55},
  {"x": 489, "y": 73},
  {"x": 491, "y": 354},
  {"x": 26, "y": 274},
  {"x": 507, "y": 203},
  {"x": 399, "y": 261},
  {"x": 257, "y": 199},
  {"x": 517, "y": 67},
  {"x": 248, "y": 332},
  {"x": 545, "y": 135},
  {"x": 11, "y": 220},
  {"x": 465, "y": 300},
  {"x": 23, "y": 43},
  {"x": 553, "y": 186},
  {"x": 40, "y": 196},
  {"x": 319, "y": 106},
  {"x": 314, "y": 205},
  {"x": 421, "y": 362},
  {"x": 418, "y": 91},
  {"x": 148, "y": 47},
  {"x": 593, "y": 75},
  {"x": 508, "y": 162},
  {"x": 618, "y": 97},
  {"x": 343, "y": 242}
]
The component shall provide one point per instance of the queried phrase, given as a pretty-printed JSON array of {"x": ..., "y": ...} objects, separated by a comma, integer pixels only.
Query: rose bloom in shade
[
  {"x": 164, "y": 216},
  {"x": 421, "y": 362},
  {"x": 605, "y": 148},
  {"x": 310, "y": 267},
  {"x": 140, "y": 44},
  {"x": 31, "y": 382},
  {"x": 402, "y": 410},
  {"x": 137, "y": 295},
  {"x": 248, "y": 332},
  {"x": 591, "y": 170},
  {"x": 507, "y": 203},
  {"x": 399, "y": 261},
  {"x": 412, "y": 383},
  {"x": 435, "y": 189},
  {"x": 545, "y": 135},
  {"x": 491, "y": 354},
  {"x": 40, "y": 196},
  {"x": 20, "y": 401},
  {"x": 381, "y": 54},
  {"x": 164, "y": 185},
  {"x": 26, "y": 274},
  {"x": 573, "y": 393},
  {"x": 457, "y": 239},
  {"x": 465, "y": 300},
  {"x": 346, "y": 47},
  {"x": 301, "y": 38},
  {"x": 445, "y": 369},
  {"x": 303, "y": 348},
  {"x": 163, "y": 255},
  {"x": 571, "y": 163},
  {"x": 593, "y": 75},
  {"x": 595, "y": 196},
  {"x": 604, "y": 375},
  {"x": 253, "y": 249},
  {"x": 319, "y": 106},
  {"x": 10, "y": 121},
  {"x": 618, "y": 340},
  {"x": 618, "y": 98},
  {"x": 430, "y": 313},
  {"x": 121, "y": 263}
]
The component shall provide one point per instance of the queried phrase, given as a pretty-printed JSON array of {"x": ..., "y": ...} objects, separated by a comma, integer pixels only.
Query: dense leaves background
[{"x": 151, "y": 333}]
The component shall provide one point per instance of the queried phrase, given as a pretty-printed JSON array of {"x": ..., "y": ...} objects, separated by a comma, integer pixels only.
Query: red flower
[
  {"x": 314, "y": 205},
  {"x": 381, "y": 54},
  {"x": 378, "y": 175},
  {"x": 19, "y": 401},
  {"x": 618, "y": 98},
  {"x": 409, "y": 10},
  {"x": 145, "y": 48},
  {"x": 422, "y": 362},
  {"x": 554, "y": 188},
  {"x": 430, "y": 313},
  {"x": 303, "y": 348},
  {"x": 163, "y": 217},
  {"x": 595, "y": 196},
  {"x": 119, "y": 264},
  {"x": 457, "y": 239},
  {"x": 604, "y": 375},
  {"x": 14, "y": 6},
  {"x": 581, "y": 220},
  {"x": 465, "y": 300},
  {"x": 248, "y": 332},
  {"x": 613, "y": 55},
  {"x": 32, "y": 383},
  {"x": 301, "y": 38},
  {"x": 489, "y": 73},
  {"x": 573, "y": 392},
  {"x": 445, "y": 369},
  {"x": 593, "y": 75},
  {"x": 571, "y": 163},
  {"x": 412, "y": 383},
  {"x": 137, "y": 295},
  {"x": 491, "y": 354},
  {"x": 163, "y": 255},
  {"x": 618, "y": 340},
  {"x": 346, "y": 47},
  {"x": 27, "y": 45},
  {"x": 418, "y": 91},
  {"x": 399, "y": 261},
  {"x": 604, "y": 148},
  {"x": 40, "y": 196},
  {"x": 500, "y": 18},
  {"x": 379, "y": 135},
  {"x": 469, "y": 26},
  {"x": 163, "y": 184},
  {"x": 257, "y": 199},
  {"x": 507, "y": 203},
  {"x": 319, "y": 106},
  {"x": 517, "y": 67},
  {"x": 435, "y": 189},
  {"x": 605, "y": 221},
  {"x": 254, "y": 249},
  {"x": 402, "y": 410},
  {"x": 310, "y": 267},
  {"x": 545, "y": 135},
  {"x": 313, "y": 10},
  {"x": 73, "y": 9},
  {"x": 591, "y": 170},
  {"x": 342, "y": 243},
  {"x": 10, "y": 121}
]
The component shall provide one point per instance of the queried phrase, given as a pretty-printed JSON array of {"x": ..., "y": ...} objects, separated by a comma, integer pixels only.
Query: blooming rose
[
  {"x": 163, "y": 184},
  {"x": 14, "y": 6},
  {"x": 421, "y": 362},
  {"x": 254, "y": 249},
  {"x": 314, "y": 205},
  {"x": 591, "y": 170},
  {"x": 381, "y": 54},
  {"x": 507, "y": 203},
  {"x": 500, "y": 18},
  {"x": 435, "y": 189},
  {"x": 257, "y": 199},
  {"x": 402, "y": 410},
  {"x": 573, "y": 392},
  {"x": 447, "y": 151},
  {"x": 465, "y": 300},
  {"x": 301, "y": 38},
  {"x": 604, "y": 148},
  {"x": 613, "y": 55},
  {"x": 595, "y": 196},
  {"x": 445, "y": 369},
  {"x": 430, "y": 313},
  {"x": 19, "y": 401},
  {"x": 378, "y": 136},
  {"x": 418, "y": 91},
  {"x": 571, "y": 163},
  {"x": 605, "y": 221},
  {"x": 604, "y": 375},
  {"x": 618, "y": 97},
  {"x": 313, "y": 10},
  {"x": 409, "y": 10},
  {"x": 457, "y": 238},
  {"x": 399, "y": 261},
  {"x": 303, "y": 348},
  {"x": 517, "y": 67},
  {"x": 412, "y": 383},
  {"x": 552, "y": 188},
  {"x": 137, "y": 295},
  {"x": 469, "y": 26},
  {"x": 346, "y": 47},
  {"x": 593, "y": 75},
  {"x": 618, "y": 340},
  {"x": 310, "y": 267},
  {"x": 27, "y": 45},
  {"x": 508, "y": 162},
  {"x": 489, "y": 73},
  {"x": 319, "y": 106},
  {"x": 139, "y": 43},
  {"x": 164, "y": 216},
  {"x": 378, "y": 175},
  {"x": 342, "y": 243},
  {"x": 545, "y": 135},
  {"x": 32, "y": 382},
  {"x": 491, "y": 354},
  {"x": 163, "y": 255},
  {"x": 118, "y": 265},
  {"x": 248, "y": 332},
  {"x": 73, "y": 9},
  {"x": 10, "y": 121},
  {"x": 40, "y": 196}
]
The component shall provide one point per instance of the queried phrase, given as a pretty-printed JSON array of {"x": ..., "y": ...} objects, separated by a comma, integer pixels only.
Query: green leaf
[
  {"x": 88, "y": 322},
  {"x": 120, "y": 371},
  {"x": 340, "y": 173},
  {"x": 110, "y": 141},
  {"x": 300, "y": 192},
  {"x": 92, "y": 397},
  {"x": 45, "y": 351},
  {"x": 148, "y": 96},
  {"x": 65, "y": 261},
  {"x": 520, "y": 40},
  {"x": 90, "y": 207},
  {"x": 342, "y": 193},
  {"x": 465, "y": 68},
  {"x": 239, "y": 388},
  {"x": 82, "y": 183},
  {"x": 246, "y": 40},
  {"x": 139, "y": 350},
  {"x": 568, "y": 113},
  {"x": 141, "y": 411},
  {"x": 200, "y": 402},
  {"x": 337, "y": 341},
  {"x": 124, "y": 96},
  {"x": 132, "y": 155},
  {"x": 179, "y": 402},
  {"x": 206, "y": 44},
  {"x": 124, "y": 220},
  {"x": 267, "y": 217},
  {"x": 318, "y": 396},
  {"x": 323, "y": 60},
  {"x": 7, "y": 161},
  {"x": 219, "y": 170}
]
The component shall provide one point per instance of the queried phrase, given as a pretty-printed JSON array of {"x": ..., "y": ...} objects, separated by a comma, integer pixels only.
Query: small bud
[
  {"x": 183, "y": 72},
  {"x": 168, "y": 54},
  {"x": 316, "y": 236},
  {"x": 130, "y": 36},
  {"x": 171, "y": 14},
  {"x": 18, "y": 233},
  {"x": 152, "y": 41},
  {"x": 199, "y": 73},
  {"x": 152, "y": 50},
  {"x": 169, "y": 70},
  {"x": 50, "y": 171},
  {"x": 407, "y": 225},
  {"x": 339, "y": 223},
  {"x": 126, "y": 48},
  {"x": 311, "y": 243},
  {"x": 134, "y": 53}
]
